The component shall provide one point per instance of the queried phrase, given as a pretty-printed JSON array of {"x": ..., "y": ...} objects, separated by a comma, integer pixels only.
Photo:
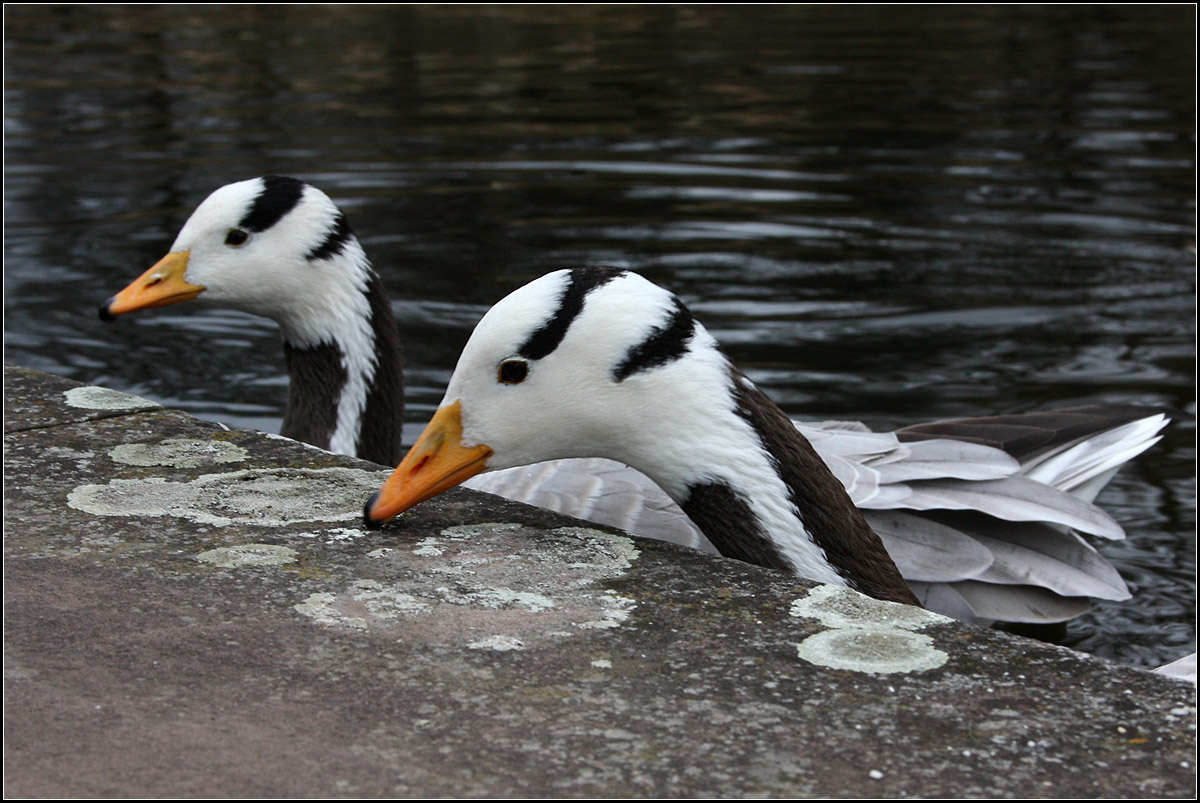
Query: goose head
[
  {"x": 271, "y": 246},
  {"x": 580, "y": 363}
]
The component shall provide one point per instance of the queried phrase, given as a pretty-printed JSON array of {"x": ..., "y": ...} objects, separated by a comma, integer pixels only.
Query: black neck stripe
[
  {"x": 317, "y": 378},
  {"x": 583, "y": 281},
  {"x": 664, "y": 344},
  {"x": 278, "y": 197},
  {"x": 729, "y": 523}
]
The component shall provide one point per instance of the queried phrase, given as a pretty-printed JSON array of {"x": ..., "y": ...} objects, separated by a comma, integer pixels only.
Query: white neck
[{"x": 711, "y": 443}]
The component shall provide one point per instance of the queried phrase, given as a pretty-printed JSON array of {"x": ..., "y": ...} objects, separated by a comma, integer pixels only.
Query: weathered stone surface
[{"x": 191, "y": 611}]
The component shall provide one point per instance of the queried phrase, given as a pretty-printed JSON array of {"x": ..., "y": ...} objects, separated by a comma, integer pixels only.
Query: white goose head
[
  {"x": 603, "y": 363},
  {"x": 271, "y": 246},
  {"x": 280, "y": 248},
  {"x": 590, "y": 363}
]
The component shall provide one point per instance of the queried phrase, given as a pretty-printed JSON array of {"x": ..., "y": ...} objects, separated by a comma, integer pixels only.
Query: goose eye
[
  {"x": 513, "y": 372},
  {"x": 236, "y": 237}
]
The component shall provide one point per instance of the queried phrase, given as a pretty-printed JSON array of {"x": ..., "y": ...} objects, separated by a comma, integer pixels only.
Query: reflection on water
[{"x": 886, "y": 213}]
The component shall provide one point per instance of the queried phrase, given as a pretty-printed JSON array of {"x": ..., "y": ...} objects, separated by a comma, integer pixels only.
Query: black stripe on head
[
  {"x": 335, "y": 241},
  {"x": 664, "y": 344},
  {"x": 278, "y": 197},
  {"x": 583, "y": 281}
]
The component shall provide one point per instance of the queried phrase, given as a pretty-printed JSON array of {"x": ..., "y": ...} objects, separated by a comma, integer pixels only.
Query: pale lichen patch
[
  {"x": 150, "y": 497},
  {"x": 880, "y": 651},
  {"x": 603, "y": 551},
  {"x": 259, "y": 497},
  {"x": 497, "y": 643},
  {"x": 179, "y": 453},
  {"x": 322, "y": 608},
  {"x": 243, "y": 555},
  {"x": 386, "y": 601},
  {"x": 615, "y": 609},
  {"x": 507, "y": 598},
  {"x": 429, "y": 547},
  {"x": 531, "y": 586},
  {"x": 333, "y": 534},
  {"x": 95, "y": 398},
  {"x": 866, "y": 634},
  {"x": 67, "y": 453},
  {"x": 462, "y": 531},
  {"x": 367, "y": 601},
  {"x": 841, "y": 607}
]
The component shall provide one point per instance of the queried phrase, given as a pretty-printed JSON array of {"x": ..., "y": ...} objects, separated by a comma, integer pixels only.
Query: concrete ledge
[{"x": 191, "y": 611}]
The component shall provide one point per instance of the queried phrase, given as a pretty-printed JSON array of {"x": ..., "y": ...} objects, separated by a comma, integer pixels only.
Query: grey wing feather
[
  {"x": 596, "y": 490},
  {"x": 984, "y": 603},
  {"x": 928, "y": 551},
  {"x": 1036, "y": 553},
  {"x": 1014, "y": 499}
]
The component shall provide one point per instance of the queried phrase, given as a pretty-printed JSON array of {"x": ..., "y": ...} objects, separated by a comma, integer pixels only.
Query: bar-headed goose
[
  {"x": 280, "y": 248},
  {"x": 980, "y": 516}
]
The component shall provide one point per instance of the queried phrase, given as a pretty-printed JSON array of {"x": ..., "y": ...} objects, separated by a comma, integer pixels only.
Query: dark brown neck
[
  {"x": 379, "y": 440},
  {"x": 318, "y": 378}
]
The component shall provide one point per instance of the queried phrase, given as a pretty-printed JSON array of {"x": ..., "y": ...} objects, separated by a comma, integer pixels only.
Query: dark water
[{"x": 887, "y": 214}]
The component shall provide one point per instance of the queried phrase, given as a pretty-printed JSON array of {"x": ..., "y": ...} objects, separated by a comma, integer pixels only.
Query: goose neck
[{"x": 789, "y": 511}]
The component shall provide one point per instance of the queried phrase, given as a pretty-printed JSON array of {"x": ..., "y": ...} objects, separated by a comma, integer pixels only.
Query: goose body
[{"x": 978, "y": 518}]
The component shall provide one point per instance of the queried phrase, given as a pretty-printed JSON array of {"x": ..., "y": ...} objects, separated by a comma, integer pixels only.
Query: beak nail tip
[{"x": 370, "y": 522}]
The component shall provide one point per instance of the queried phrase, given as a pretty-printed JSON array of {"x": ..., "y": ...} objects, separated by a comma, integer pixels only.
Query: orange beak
[
  {"x": 163, "y": 284},
  {"x": 437, "y": 462}
]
